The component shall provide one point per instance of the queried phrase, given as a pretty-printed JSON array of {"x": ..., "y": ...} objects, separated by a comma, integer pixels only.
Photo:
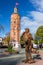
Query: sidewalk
[{"x": 39, "y": 62}]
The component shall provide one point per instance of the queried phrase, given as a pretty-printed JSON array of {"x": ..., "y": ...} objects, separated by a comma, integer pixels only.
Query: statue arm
[{"x": 31, "y": 36}]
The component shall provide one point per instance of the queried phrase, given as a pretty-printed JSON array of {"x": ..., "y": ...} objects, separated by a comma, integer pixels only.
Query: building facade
[
  {"x": 15, "y": 27},
  {"x": 0, "y": 39}
]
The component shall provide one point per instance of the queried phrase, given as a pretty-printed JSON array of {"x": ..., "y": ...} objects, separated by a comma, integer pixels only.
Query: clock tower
[{"x": 15, "y": 28}]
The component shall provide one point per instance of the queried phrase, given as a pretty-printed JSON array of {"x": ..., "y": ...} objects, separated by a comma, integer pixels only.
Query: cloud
[
  {"x": 37, "y": 21},
  {"x": 21, "y": 31},
  {"x": 38, "y": 16},
  {"x": 38, "y": 4}
]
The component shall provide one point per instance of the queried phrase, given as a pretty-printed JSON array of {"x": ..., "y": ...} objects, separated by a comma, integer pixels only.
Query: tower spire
[{"x": 15, "y": 9}]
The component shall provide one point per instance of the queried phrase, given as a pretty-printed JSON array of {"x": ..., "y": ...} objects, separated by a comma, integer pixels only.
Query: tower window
[
  {"x": 14, "y": 40},
  {"x": 14, "y": 21},
  {"x": 18, "y": 28},
  {"x": 14, "y": 33},
  {"x": 14, "y": 27}
]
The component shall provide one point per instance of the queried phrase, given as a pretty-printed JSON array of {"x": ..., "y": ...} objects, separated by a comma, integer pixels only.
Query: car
[{"x": 34, "y": 45}]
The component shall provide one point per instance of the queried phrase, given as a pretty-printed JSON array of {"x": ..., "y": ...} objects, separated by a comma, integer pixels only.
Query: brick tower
[{"x": 15, "y": 27}]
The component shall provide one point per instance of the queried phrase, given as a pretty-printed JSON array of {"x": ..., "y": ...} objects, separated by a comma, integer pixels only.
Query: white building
[{"x": 0, "y": 39}]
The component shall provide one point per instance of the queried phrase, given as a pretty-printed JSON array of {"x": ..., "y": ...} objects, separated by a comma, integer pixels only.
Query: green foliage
[
  {"x": 9, "y": 48},
  {"x": 21, "y": 41},
  {"x": 14, "y": 50},
  {"x": 40, "y": 41},
  {"x": 6, "y": 39},
  {"x": 36, "y": 41},
  {"x": 39, "y": 35},
  {"x": 40, "y": 31}
]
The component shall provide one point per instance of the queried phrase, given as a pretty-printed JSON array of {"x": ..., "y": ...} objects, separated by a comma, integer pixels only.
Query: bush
[
  {"x": 14, "y": 51},
  {"x": 9, "y": 48}
]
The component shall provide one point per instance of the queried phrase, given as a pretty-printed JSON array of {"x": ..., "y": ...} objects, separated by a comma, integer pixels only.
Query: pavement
[
  {"x": 16, "y": 59},
  {"x": 38, "y": 60},
  {"x": 11, "y": 59}
]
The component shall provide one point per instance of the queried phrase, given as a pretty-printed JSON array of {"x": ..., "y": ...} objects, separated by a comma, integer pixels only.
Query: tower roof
[{"x": 15, "y": 10}]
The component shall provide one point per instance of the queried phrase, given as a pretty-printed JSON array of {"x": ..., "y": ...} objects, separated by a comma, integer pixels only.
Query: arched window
[{"x": 14, "y": 21}]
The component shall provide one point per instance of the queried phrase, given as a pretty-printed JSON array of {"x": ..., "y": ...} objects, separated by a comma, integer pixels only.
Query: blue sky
[{"x": 30, "y": 11}]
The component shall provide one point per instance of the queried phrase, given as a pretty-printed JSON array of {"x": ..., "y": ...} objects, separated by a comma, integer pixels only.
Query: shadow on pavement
[
  {"x": 13, "y": 61},
  {"x": 5, "y": 55},
  {"x": 37, "y": 57}
]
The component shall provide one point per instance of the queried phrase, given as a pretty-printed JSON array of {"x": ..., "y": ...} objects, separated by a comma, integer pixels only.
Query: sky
[{"x": 30, "y": 11}]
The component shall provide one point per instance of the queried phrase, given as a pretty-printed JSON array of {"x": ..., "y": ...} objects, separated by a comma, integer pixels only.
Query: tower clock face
[{"x": 14, "y": 20}]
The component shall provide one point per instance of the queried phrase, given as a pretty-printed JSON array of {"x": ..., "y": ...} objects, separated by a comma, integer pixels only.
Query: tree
[
  {"x": 21, "y": 41},
  {"x": 8, "y": 37},
  {"x": 6, "y": 40},
  {"x": 39, "y": 34}
]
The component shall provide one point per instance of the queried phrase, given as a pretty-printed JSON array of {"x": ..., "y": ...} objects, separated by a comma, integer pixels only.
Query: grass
[{"x": 10, "y": 50}]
